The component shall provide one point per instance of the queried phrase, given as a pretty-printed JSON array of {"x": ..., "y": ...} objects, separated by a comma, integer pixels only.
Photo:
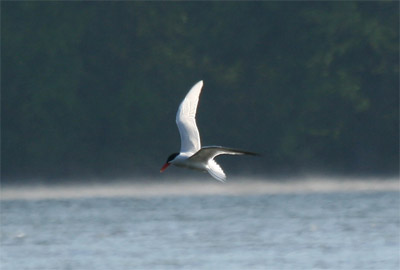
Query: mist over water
[
  {"x": 310, "y": 223},
  {"x": 147, "y": 187}
]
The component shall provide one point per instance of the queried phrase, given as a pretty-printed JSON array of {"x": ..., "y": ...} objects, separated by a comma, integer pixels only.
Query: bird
[{"x": 192, "y": 155}]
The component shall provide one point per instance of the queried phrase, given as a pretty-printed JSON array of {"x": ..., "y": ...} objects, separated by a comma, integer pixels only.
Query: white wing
[{"x": 186, "y": 121}]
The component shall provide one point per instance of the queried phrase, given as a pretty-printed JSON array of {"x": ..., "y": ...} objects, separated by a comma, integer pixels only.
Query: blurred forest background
[{"x": 92, "y": 88}]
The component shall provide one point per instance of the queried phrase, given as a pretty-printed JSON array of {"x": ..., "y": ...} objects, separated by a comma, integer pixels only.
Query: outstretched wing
[
  {"x": 186, "y": 121},
  {"x": 207, "y": 155},
  {"x": 210, "y": 152}
]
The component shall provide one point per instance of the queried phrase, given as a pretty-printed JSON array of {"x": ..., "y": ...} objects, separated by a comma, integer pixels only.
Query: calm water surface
[{"x": 337, "y": 230}]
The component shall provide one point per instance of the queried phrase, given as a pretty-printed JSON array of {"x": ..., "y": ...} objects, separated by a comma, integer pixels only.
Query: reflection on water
[{"x": 199, "y": 225}]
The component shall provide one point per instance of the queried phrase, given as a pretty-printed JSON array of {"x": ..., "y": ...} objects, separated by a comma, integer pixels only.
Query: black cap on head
[{"x": 171, "y": 157}]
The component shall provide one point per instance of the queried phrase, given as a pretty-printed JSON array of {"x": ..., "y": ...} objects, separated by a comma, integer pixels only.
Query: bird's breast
[{"x": 187, "y": 163}]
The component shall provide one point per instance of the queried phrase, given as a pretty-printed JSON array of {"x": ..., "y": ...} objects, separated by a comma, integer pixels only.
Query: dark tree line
[{"x": 92, "y": 88}]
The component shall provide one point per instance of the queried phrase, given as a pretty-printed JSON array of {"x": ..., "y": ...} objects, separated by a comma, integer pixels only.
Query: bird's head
[{"x": 169, "y": 160}]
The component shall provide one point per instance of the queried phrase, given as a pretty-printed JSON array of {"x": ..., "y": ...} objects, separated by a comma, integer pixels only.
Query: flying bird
[{"x": 192, "y": 155}]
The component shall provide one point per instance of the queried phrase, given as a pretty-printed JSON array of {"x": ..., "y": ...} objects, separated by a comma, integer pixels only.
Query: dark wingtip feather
[
  {"x": 252, "y": 154},
  {"x": 235, "y": 150},
  {"x": 247, "y": 153}
]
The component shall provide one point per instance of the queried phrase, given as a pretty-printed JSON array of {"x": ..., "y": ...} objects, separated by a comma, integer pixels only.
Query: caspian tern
[{"x": 192, "y": 155}]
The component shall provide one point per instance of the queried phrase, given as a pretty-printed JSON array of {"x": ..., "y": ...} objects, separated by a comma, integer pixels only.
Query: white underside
[{"x": 210, "y": 166}]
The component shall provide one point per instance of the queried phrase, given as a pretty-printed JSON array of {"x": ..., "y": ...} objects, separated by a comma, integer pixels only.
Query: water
[{"x": 304, "y": 230}]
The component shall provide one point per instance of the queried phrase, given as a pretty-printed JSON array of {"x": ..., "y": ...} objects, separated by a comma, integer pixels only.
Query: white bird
[{"x": 192, "y": 155}]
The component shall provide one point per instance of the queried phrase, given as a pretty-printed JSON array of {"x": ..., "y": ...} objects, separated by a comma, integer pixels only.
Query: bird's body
[{"x": 192, "y": 155}]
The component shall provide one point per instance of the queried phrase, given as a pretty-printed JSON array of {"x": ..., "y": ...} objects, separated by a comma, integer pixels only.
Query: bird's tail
[{"x": 215, "y": 170}]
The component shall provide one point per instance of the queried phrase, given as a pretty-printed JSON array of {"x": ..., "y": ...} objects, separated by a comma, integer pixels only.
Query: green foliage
[{"x": 93, "y": 87}]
